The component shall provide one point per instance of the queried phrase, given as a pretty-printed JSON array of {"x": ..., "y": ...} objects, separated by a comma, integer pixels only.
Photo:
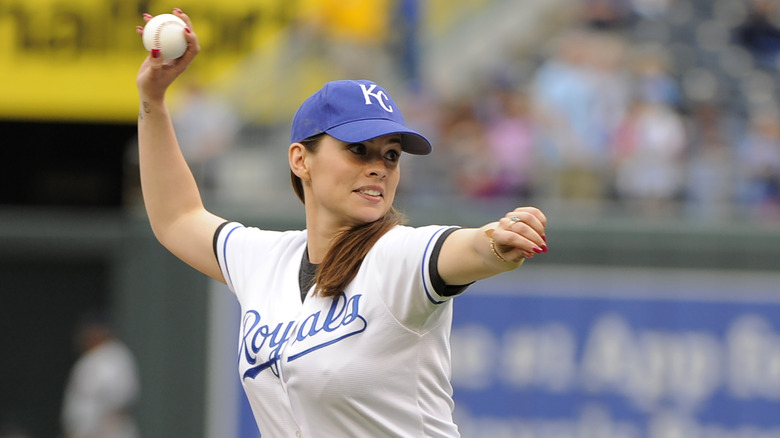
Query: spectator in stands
[
  {"x": 605, "y": 14},
  {"x": 652, "y": 73},
  {"x": 711, "y": 163},
  {"x": 510, "y": 136},
  {"x": 649, "y": 157},
  {"x": 463, "y": 135},
  {"x": 759, "y": 34},
  {"x": 759, "y": 157},
  {"x": 571, "y": 110}
]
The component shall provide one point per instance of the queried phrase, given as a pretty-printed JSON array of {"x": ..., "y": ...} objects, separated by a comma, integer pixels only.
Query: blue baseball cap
[{"x": 354, "y": 111}]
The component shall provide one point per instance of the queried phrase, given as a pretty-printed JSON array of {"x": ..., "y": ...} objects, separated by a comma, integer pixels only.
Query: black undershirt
[
  {"x": 306, "y": 274},
  {"x": 309, "y": 270}
]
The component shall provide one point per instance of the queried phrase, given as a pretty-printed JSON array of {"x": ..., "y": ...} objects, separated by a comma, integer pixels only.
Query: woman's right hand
[{"x": 156, "y": 75}]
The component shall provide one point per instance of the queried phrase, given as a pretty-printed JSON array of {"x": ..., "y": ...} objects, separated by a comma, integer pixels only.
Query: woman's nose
[{"x": 377, "y": 168}]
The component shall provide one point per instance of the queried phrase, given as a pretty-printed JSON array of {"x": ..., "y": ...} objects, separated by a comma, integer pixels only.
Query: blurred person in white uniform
[{"x": 103, "y": 386}]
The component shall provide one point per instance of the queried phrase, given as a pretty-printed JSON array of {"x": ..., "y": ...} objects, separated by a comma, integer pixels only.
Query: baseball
[{"x": 165, "y": 32}]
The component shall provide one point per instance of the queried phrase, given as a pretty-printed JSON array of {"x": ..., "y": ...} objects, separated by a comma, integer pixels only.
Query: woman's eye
[
  {"x": 393, "y": 155},
  {"x": 357, "y": 148}
]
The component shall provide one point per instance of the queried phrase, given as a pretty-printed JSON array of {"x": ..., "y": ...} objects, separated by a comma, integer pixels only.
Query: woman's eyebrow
[{"x": 391, "y": 140}]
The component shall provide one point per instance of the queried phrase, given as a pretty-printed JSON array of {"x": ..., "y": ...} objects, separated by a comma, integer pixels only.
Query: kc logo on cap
[
  {"x": 380, "y": 96},
  {"x": 354, "y": 111}
]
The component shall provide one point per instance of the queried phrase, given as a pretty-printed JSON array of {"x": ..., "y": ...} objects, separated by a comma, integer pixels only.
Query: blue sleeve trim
[{"x": 224, "y": 254}]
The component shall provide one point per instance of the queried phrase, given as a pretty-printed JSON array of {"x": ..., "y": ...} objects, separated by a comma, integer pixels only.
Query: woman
[{"x": 345, "y": 326}]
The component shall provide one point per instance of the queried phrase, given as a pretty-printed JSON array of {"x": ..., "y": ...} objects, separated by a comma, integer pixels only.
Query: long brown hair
[{"x": 343, "y": 260}]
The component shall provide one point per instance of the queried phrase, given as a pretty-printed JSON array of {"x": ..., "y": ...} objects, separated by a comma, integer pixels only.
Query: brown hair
[{"x": 343, "y": 260}]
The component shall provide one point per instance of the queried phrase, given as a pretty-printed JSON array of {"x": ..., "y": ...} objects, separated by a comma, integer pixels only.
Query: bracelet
[
  {"x": 489, "y": 234},
  {"x": 493, "y": 248}
]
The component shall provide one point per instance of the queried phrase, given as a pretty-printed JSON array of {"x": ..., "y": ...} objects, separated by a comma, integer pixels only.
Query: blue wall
[{"x": 607, "y": 353}]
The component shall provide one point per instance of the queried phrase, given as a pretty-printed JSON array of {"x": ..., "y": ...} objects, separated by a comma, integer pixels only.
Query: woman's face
[{"x": 355, "y": 183}]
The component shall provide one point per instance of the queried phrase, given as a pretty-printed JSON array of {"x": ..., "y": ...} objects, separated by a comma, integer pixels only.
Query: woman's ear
[{"x": 298, "y": 164}]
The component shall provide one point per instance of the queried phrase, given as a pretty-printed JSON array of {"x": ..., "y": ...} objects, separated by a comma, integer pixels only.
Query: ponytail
[{"x": 343, "y": 260}]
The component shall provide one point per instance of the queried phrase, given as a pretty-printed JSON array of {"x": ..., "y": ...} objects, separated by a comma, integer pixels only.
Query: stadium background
[{"x": 654, "y": 315}]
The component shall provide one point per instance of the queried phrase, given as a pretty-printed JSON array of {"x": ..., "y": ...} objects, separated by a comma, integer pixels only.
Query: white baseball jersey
[{"x": 373, "y": 363}]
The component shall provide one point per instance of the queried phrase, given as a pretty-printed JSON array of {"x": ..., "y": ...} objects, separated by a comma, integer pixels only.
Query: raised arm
[
  {"x": 471, "y": 254},
  {"x": 171, "y": 196}
]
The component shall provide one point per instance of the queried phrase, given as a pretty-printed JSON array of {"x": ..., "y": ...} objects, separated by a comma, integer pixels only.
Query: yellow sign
[{"x": 75, "y": 60}]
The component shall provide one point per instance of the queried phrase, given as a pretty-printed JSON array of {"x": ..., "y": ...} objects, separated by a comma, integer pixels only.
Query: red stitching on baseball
[{"x": 157, "y": 32}]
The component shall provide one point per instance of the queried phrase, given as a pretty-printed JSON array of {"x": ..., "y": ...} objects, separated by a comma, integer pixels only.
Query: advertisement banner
[
  {"x": 609, "y": 353},
  {"x": 77, "y": 59}
]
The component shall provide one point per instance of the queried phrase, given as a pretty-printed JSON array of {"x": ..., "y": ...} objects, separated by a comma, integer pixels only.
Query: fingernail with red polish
[
  {"x": 544, "y": 238},
  {"x": 544, "y": 249},
  {"x": 177, "y": 10},
  {"x": 538, "y": 250},
  {"x": 147, "y": 15},
  {"x": 188, "y": 30},
  {"x": 155, "y": 53}
]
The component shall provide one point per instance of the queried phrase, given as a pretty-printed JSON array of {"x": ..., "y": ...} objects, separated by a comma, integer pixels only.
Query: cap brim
[{"x": 362, "y": 130}]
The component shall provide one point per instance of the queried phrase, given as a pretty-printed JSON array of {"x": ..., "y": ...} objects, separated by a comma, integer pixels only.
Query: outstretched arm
[
  {"x": 471, "y": 254},
  {"x": 171, "y": 196}
]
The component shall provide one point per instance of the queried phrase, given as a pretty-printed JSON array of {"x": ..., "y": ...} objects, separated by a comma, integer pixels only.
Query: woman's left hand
[{"x": 471, "y": 254}]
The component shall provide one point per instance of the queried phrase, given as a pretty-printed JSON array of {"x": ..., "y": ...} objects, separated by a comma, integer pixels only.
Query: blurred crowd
[
  {"x": 604, "y": 117},
  {"x": 639, "y": 107}
]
